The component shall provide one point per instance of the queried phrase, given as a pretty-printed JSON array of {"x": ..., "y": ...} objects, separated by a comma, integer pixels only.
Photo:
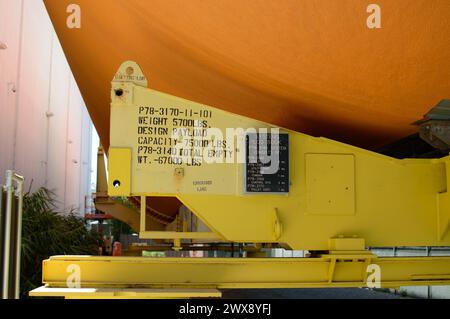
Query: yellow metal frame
[
  {"x": 120, "y": 164},
  {"x": 342, "y": 199},
  {"x": 176, "y": 236},
  {"x": 329, "y": 270},
  {"x": 126, "y": 293},
  {"x": 335, "y": 189}
]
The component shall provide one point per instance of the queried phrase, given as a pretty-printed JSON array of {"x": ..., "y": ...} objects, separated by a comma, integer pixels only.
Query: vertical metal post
[
  {"x": 428, "y": 253},
  {"x": 143, "y": 213},
  {"x": 7, "y": 235},
  {"x": 19, "y": 194},
  {"x": 2, "y": 234},
  {"x": 9, "y": 242}
]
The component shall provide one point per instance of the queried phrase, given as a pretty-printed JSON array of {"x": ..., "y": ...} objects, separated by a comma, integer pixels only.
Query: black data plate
[{"x": 255, "y": 180}]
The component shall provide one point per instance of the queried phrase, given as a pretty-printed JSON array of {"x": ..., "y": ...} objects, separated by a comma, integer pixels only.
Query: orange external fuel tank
[{"x": 313, "y": 66}]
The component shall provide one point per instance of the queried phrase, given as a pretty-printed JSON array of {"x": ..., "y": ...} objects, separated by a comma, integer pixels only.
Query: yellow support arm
[{"x": 331, "y": 189}]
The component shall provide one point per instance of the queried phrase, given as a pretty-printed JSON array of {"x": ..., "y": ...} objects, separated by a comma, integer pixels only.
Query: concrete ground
[{"x": 315, "y": 293}]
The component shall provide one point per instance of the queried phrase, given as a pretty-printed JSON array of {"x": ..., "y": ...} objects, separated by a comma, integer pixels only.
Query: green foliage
[{"x": 46, "y": 232}]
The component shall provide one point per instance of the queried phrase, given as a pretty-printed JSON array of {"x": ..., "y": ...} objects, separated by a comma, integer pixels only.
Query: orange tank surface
[{"x": 309, "y": 65}]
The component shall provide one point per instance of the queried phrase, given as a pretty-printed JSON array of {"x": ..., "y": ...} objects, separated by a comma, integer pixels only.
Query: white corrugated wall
[{"x": 45, "y": 130}]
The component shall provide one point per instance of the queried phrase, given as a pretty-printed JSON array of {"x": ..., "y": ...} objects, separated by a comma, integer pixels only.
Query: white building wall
[{"x": 45, "y": 130}]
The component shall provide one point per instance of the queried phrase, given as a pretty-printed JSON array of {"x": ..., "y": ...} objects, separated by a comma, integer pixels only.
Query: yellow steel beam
[
  {"x": 130, "y": 293},
  {"x": 151, "y": 234},
  {"x": 178, "y": 235},
  {"x": 212, "y": 273},
  {"x": 125, "y": 214},
  {"x": 143, "y": 214}
]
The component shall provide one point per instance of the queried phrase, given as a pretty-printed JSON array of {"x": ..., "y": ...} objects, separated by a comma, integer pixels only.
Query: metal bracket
[
  {"x": 435, "y": 127},
  {"x": 176, "y": 236}
]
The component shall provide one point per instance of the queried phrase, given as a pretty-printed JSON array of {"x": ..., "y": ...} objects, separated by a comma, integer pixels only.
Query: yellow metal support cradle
[
  {"x": 334, "y": 189},
  {"x": 339, "y": 200}
]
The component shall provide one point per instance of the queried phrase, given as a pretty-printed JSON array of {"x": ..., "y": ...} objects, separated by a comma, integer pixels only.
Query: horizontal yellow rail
[
  {"x": 108, "y": 293},
  {"x": 177, "y": 235},
  {"x": 213, "y": 273}
]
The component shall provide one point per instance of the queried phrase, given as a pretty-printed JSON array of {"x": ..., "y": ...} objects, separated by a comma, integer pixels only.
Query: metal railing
[{"x": 11, "y": 205}]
